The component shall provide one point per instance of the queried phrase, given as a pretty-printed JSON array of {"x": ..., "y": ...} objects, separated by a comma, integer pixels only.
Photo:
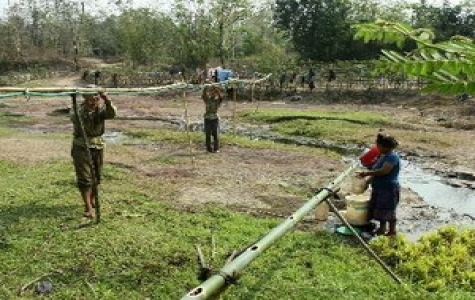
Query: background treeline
[{"x": 266, "y": 37}]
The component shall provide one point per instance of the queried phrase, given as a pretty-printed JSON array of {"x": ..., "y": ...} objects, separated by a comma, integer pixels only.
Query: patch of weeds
[
  {"x": 175, "y": 136},
  {"x": 167, "y": 160},
  {"x": 246, "y": 142},
  {"x": 439, "y": 259},
  {"x": 165, "y": 134},
  {"x": 15, "y": 120},
  {"x": 6, "y": 132},
  {"x": 429, "y": 140},
  {"x": 339, "y": 126},
  {"x": 286, "y": 115},
  {"x": 334, "y": 130}
]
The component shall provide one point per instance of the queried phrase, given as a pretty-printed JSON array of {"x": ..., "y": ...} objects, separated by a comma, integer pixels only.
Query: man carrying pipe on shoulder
[
  {"x": 212, "y": 98},
  {"x": 88, "y": 143}
]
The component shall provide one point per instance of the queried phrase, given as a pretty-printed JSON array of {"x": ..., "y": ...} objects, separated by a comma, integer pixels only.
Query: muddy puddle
[{"x": 436, "y": 191}]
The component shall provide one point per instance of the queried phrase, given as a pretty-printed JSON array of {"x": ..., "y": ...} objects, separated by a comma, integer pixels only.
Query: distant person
[
  {"x": 311, "y": 74},
  {"x": 92, "y": 115},
  {"x": 384, "y": 180},
  {"x": 311, "y": 85},
  {"x": 212, "y": 98},
  {"x": 302, "y": 81},
  {"x": 115, "y": 80},
  {"x": 215, "y": 75},
  {"x": 97, "y": 77},
  {"x": 282, "y": 79},
  {"x": 85, "y": 74},
  {"x": 293, "y": 78},
  {"x": 331, "y": 75}
]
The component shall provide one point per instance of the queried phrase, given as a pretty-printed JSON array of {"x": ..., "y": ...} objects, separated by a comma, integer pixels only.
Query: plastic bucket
[
  {"x": 321, "y": 214},
  {"x": 357, "y": 209},
  {"x": 370, "y": 156},
  {"x": 358, "y": 185}
]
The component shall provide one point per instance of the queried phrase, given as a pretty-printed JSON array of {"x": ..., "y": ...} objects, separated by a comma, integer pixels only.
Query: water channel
[
  {"x": 451, "y": 202},
  {"x": 436, "y": 192}
]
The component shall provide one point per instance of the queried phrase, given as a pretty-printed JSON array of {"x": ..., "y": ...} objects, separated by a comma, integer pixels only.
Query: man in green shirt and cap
[
  {"x": 92, "y": 115},
  {"x": 212, "y": 98}
]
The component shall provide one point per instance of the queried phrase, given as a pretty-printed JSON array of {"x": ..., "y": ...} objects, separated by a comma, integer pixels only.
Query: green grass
[
  {"x": 339, "y": 126},
  {"x": 145, "y": 249},
  {"x": 180, "y": 137},
  {"x": 15, "y": 119}
]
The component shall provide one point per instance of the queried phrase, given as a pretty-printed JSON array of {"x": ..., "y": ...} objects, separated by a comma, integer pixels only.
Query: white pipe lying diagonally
[{"x": 218, "y": 282}]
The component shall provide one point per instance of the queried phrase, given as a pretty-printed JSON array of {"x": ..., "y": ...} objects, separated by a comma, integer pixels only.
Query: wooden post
[
  {"x": 259, "y": 99},
  {"x": 252, "y": 92},
  {"x": 187, "y": 125},
  {"x": 234, "y": 109}
]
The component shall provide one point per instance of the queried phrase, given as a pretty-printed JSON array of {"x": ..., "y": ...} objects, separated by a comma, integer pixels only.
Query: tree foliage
[
  {"x": 446, "y": 20},
  {"x": 316, "y": 27},
  {"x": 200, "y": 32},
  {"x": 449, "y": 65}
]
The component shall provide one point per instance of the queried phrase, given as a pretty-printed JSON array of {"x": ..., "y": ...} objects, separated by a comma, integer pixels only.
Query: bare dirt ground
[{"x": 258, "y": 181}]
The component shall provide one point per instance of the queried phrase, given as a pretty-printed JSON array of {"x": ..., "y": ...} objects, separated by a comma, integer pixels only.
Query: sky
[{"x": 90, "y": 5}]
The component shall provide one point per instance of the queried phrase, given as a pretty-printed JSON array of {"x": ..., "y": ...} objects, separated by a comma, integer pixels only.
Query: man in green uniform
[
  {"x": 212, "y": 98},
  {"x": 92, "y": 115}
]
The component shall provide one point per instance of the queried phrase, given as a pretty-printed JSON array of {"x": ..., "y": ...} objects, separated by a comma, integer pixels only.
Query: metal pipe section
[{"x": 218, "y": 282}]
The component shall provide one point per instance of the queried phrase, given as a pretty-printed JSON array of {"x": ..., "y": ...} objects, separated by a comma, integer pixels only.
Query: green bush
[{"x": 443, "y": 258}]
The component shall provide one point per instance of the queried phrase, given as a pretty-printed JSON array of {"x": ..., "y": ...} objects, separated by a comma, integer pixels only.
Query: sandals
[{"x": 89, "y": 215}]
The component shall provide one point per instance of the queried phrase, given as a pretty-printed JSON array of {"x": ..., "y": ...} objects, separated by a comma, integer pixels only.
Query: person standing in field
[
  {"x": 92, "y": 115},
  {"x": 384, "y": 179},
  {"x": 212, "y": 98}
]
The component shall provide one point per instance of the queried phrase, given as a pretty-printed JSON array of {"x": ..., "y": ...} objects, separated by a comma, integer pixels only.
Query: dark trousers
[
  {"x": 83, "y": 168},
  {"x": 211, "y": 130}
]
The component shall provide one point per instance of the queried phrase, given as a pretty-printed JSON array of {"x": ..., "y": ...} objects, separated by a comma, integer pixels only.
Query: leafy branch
[{"x": 448, "y": 66}]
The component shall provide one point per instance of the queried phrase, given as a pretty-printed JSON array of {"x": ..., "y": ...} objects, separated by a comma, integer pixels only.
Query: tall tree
[
  {"x": 145, "y": 36},
  {"x": 196, "y": 39},
  {"x": 316, "y": 27},
  {"x": 263, "y": 45},
  {"x": 227, "y": 14}
]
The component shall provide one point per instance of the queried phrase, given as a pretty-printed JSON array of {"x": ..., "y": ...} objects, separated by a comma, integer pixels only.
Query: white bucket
[
  {"x": 321, "y": 214},
  {"x": 357, "y": 209},
  {"x": 358, "y": 185}
]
